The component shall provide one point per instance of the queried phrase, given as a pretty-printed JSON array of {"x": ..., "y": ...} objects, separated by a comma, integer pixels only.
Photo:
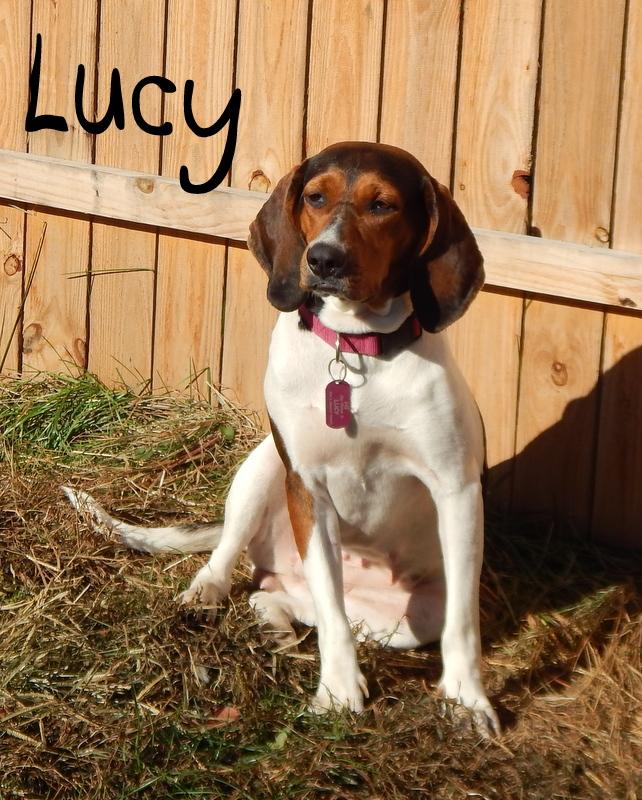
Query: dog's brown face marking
[
  {"x": 322, "y": 196},
  {"x": 366, "y": 215}
]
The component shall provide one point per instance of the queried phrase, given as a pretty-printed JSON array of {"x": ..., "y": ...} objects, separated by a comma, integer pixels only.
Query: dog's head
[{"x": 366, "y": 222}]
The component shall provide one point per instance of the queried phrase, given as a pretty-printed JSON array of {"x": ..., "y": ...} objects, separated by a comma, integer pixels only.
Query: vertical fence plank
[
  {"x": 271, "y": 73},
  {"x": 190, "y": 279},
  {"x": 121, "y": 308},
  {"x": 618, "y": 474},
  {"x": 54, "y": 335},
  {"x": 500, "y": 47},
  {"x": 420, "y": 80},
  {"x": 14, "y": 77},
  {"x": 496, "y": 104},
  {"x": 345, "y": 64},
  {"x": 572, "y": 201}
]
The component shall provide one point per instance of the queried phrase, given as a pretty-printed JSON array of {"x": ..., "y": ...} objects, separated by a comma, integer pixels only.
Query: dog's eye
[
  {"x": 315, "y": 199},
  {"x": 381, "y": 207}
]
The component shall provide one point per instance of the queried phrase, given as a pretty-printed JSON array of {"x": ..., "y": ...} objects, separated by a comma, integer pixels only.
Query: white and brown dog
[{"x": 362, "y": 511}]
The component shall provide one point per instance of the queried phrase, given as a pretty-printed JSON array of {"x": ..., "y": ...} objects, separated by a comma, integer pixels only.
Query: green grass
[
  {"x": 109, "y": 689},
  {"x": 59, "y": 412}
]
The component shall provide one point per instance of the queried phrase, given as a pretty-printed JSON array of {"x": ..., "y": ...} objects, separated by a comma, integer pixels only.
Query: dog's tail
[{"x": 177, "y": 539}]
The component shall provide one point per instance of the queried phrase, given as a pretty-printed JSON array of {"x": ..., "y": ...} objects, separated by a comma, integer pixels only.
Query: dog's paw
[
  {"x": 468, "y": 708},
  {"x": 204, "y": 591},
  {"x": 274, "y": 620},
  {"x": 340, "y": 692}
]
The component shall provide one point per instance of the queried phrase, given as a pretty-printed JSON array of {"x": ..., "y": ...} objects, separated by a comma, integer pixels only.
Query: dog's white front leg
[
  {"x": 461, "y": 533},
  {"x": 316, "y": 531}
]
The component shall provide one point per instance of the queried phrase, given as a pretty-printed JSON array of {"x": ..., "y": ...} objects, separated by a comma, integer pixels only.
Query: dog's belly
[
  {"x": 387, "y": 520},
  {"x": 376, "y": 605}
]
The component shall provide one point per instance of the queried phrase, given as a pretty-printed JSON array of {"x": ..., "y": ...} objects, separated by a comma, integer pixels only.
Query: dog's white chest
[
  {"x": 413, "y": 407},
  {"x": 372, "y": 473}
]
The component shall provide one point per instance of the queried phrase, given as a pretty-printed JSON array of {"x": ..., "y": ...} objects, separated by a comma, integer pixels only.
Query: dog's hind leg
[
  {"x": 275, "y": 614},
  {"x": 256, "y": 490}
]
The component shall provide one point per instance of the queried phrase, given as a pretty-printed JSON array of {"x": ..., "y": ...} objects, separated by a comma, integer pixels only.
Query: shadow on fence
[{"x": 585, "y": 471}]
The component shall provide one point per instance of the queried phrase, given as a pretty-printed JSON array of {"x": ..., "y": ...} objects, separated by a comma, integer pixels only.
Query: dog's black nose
[{"x": 326, "y": 260}]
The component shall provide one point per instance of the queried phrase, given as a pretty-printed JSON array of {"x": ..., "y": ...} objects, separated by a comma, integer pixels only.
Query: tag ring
[{"x": 343, "y": 370}]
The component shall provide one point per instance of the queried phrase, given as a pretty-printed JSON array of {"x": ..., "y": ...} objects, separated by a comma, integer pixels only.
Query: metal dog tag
[{"x": 337, "y": 404}]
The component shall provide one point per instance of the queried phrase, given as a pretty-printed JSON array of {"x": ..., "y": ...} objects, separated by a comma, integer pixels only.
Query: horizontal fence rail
[{"x": 512, "y": 261}]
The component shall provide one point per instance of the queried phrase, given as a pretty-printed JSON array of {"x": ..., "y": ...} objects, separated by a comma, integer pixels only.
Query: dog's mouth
[
  {"x": 342, "y": 290},
  {"x": 342, "y": 287},
  {"x": 327, "y": 287}
]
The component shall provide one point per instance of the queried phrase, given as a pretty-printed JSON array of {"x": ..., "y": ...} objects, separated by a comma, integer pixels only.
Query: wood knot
[
  {"x": 32, "y": 338},
  {"x": 259, "y": 181},
  {"x": 80, "y": 351},
  {"x": 521, "y": 183},
  {"x": 145, "y": 185},
  {"x": 12, "y": 264},
  {"x": 559, "y": 373},
  {"x": 602, "y": 235},
  {"x": 627, "y": 302}
]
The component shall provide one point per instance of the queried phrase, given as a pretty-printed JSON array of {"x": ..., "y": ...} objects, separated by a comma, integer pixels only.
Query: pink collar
[{"x": 366, "y": 344}]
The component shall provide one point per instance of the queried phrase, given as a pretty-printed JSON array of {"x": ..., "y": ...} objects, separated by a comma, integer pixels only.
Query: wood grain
[
  {"x": 141, "y": 198},
  {"x": 496, "y": 110},
  {"x": 269, "y": 145},
  {"x": 190, "y": 274},
  {"x": 556, "y": 429},
  {"x": 575, "y": 271},
  {"x": 420, "y": 80},
  {"x": 494, "y": 138},
  {"x": 578, "y": 120},
  {"x": 55, "y": 324},
  {"x": 618, "y": 474},
  {"x": 14, "y": 77},
  {"x": 345, "y": 62},
  {"x": 121, "y": 308}
]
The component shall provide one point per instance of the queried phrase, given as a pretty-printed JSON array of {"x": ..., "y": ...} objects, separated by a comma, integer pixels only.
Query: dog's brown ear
[
  {"x": 450, "y": 269},
  {"x": 277, "y": 244}
]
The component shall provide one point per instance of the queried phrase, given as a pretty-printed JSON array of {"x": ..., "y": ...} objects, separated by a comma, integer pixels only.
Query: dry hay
[{"x": 108, "y": 689}]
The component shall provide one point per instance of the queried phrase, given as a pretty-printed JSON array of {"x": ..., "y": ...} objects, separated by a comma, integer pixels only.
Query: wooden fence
[{"x": 528, "y": 109}]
